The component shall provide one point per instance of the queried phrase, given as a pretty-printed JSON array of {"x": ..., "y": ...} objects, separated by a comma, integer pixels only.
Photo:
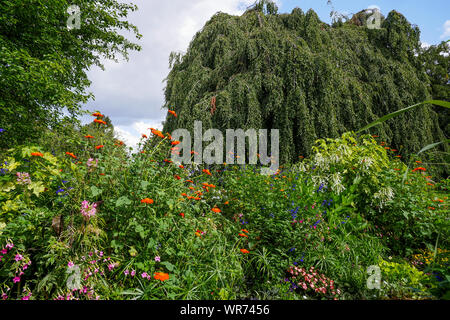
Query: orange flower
[
  {"x": 419, "y": 169},
  {"x": 168, "y": 161},
  {"x": 89, "y": 137},
  {"x": 144, "y": 136},
  {"x": 228, "y": 202},
  {"x": 161, "y": 276},
  {"x": 71, "y": 154},
  {"x": 184, "y": 194},
  {"x": 243, "y": 235},
  {"x": 102, "y": 174},
  {"x": 177, "y": 177},
  {"x": 99, "y": 147},
  {"x": 173, "y": 113},
  {"x": 397, "y": 156},
  {"x": 99, "y": 121},
  {"x": 181, "y": 167},
  {"x": 174, "y": 143},
  {"x": 430, "y": 184},
  {"x": 157, "y": 133},
  {"x": 244, "y": 230},
  {"x": 97, "y": 114},
  {"x": 189, "y": 181},
  {"x": 396, "y": 169},
  {"x": 216, "y": 210},
  {"x": 147, "y": 200},
  {"x": 37, "y": 154},
  {"x": 245, "y": 251},
  {"x": 418, "y": 162},
  {"x": 207, "y": 172}
]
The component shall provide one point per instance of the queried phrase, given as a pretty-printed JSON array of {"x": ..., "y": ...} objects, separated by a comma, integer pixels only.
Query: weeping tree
[{"x": 310, "y": 80}]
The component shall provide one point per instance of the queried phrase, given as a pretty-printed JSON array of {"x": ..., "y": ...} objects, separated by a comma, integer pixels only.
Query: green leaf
[
  {"x": 123, "y": 201},
  {"x": 168, "y": 265},
  {"x": 96, "y": 191},
  {"x": 399, "y": 112}
]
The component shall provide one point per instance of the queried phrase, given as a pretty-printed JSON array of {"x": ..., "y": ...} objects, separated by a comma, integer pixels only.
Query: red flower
[
  {"x": 177, "y": 177},
  {"x": 182, "y": 215},
  {"x": 161, "y": 276},
  {"x": 207, "y": 172},
  {"x": 71, "y": 154},
  {"x": 147, "y": 200},
  {"x": 89, "y": 137},
  {"x": 245, "y": 251},
  {"x": 99, "y": 147},
  {"x": 37, "y": 154}
]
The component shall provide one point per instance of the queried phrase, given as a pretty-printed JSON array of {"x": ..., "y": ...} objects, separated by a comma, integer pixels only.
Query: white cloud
[
  {"x": 129, "y": 92},
  {"x": 446, "y": 29},
  {"x": 132, "y": 134},
  {"x": 374, "y": 6}
]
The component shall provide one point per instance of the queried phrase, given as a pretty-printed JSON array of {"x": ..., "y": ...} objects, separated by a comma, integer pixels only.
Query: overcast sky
[{"x": 132, "y": 93}]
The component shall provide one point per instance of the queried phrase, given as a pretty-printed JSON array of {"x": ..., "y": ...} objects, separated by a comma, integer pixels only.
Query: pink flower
[
  {"x": 18, "y": 257},
  {"x": 88, "y": 210},
  {"x": 158, "y": 259},
  {"x": 133, "y": 273},
  {"x": 4, "y": 296},
  {"x": 144, "y": 275},
  {"x": 16, "y": 279},
  {"x": 9, "y": 245},
  {"x": 4, "y": 251},
  {"x": 126, "y": 272},
  {"x": 111, "y": 266},
  {"x": 70, "y": 264}
]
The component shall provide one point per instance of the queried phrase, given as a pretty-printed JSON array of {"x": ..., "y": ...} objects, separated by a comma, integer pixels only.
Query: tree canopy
[
  {"x": 308, "y": 79},
  {"x": 43, "y": 63}
]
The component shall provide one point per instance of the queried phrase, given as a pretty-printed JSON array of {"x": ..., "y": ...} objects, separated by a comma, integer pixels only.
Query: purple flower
[{"x": 2, "y": 130}]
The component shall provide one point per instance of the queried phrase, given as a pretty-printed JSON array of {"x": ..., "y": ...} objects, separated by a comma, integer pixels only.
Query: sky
[{"x": 131, "y": 92}]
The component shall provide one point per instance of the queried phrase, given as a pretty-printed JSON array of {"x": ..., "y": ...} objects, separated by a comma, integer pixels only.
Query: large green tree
[
  {"x": 310, "y": 80},
  {"x": 43, "y": 63},
  {"x": 436, "y": 60}
]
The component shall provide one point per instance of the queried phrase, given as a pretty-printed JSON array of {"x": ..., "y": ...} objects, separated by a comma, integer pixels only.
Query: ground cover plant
[{"x": 92, "y": 221}]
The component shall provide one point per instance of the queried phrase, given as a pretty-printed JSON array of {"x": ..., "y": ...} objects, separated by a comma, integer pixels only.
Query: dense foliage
[
  {"x": 43, "y": 64},
  {"x": 141, "y": 227},
  {"x": 295, "y": 73}
]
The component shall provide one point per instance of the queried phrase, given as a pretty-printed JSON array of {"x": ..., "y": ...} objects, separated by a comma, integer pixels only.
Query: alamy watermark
[
  {"x": 214, "y": 152},
  {"x": 74, "y": 20},
  {"x": 374, "y": 280}
]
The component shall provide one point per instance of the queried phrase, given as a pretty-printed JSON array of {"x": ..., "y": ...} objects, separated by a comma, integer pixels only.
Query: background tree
[
  {"x": 43, "y": 64},
  {"x": 295, "y": 73},
  {"x": 436, "y": 60}
]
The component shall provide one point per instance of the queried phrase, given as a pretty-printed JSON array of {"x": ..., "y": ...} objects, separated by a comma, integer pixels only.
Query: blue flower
[{"x": 2, "y": 130}]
